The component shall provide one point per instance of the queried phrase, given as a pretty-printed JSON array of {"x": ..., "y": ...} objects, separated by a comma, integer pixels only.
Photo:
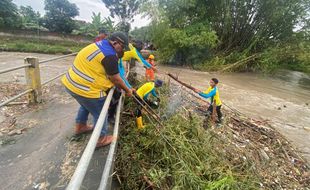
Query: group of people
[{"x": 98, "y": 67}]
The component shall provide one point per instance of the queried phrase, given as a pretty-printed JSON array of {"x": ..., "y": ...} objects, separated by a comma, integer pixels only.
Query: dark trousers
[
  {"x": 218, "y": 111},
  {"x": 89, "y": 105},
  {"x": 113, "y": 105},
  {"x": 138, "y": 112}
]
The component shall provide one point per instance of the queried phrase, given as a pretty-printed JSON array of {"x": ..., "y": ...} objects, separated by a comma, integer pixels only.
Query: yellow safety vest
[
  {"x": 87, "y": 76},
  {"x": 145, "y": 89},
  {"x": 215, "y": 98}
]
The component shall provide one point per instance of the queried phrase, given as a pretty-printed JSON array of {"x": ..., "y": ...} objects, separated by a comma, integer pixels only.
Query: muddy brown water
[{"x": 283, "y": 98}]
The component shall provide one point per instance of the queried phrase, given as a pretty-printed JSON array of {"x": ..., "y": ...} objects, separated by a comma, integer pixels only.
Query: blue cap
[{"x": 158, "y": 82}]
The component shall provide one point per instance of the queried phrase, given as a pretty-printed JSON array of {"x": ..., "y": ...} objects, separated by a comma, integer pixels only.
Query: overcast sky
[{"x": 86, "y": 7}]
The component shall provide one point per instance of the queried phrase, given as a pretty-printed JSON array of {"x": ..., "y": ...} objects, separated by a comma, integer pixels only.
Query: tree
[
  {"x": 9, "y": 17},
  {"x": 30, "y": 18},
  {"x": 59, "y": 14},
  {"x": 92, "y": 29},
  {"x": 125, "y": 10},
  {"x": 195, "y": 31},
  {"x": 99, "y": 23},
  {"x": 239, "y": 24},
  {"x": 142, "y": 33}
]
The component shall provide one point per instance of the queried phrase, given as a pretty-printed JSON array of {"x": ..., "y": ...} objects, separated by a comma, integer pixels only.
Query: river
[{"x": 283, "y": 98}]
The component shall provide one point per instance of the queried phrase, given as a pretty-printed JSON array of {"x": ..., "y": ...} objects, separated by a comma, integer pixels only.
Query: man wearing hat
[
  {"x": 143, "y": 93},
  {"x": 93, "y": 73}
]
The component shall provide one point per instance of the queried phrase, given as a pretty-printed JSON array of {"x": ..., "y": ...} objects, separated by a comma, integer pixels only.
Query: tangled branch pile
[{"x": 242, "y": 154}]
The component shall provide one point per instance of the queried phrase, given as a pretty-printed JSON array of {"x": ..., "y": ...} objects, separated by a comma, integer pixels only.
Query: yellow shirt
[
  {"x": 145, "y": 89},
  {"x": 133, "y": 54},
  {"x": 212, "y": 93}
]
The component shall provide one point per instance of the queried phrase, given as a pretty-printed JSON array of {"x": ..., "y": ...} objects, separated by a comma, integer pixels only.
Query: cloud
[{"x": 87, "y": 7}]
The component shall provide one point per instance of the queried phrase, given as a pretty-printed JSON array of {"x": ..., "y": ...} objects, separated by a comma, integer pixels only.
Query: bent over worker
[
  {"x": 93, "y": 73},
  {"x": 143, "y": 92}
]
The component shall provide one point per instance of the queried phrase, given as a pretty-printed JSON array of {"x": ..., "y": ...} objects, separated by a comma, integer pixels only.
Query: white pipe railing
[
  {"x": 15, "y": 97},
  {"x": 14, "y": 68},
  {"x": 80, "y": 171},
  {"x": 104, "y": 183},
  {"x": 60, "y": 57},
  {"x": 29, "y": 65}
]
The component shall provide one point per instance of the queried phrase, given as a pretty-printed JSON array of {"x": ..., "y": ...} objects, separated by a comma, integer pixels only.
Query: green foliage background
[{"x": 210, "y": 34}]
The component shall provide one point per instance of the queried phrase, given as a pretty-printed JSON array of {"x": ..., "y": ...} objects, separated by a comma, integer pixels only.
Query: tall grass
[{"x": 181, "y": 155}]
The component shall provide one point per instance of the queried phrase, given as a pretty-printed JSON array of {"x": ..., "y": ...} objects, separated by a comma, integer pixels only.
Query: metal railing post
[{"x": 33, "y": 79}]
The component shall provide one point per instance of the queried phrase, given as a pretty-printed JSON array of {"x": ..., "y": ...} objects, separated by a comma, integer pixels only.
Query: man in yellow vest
[
  {"x": 94, "y": 72},
  {"x": 143, "y": 92},
  {"x": 213, "y": 93}
]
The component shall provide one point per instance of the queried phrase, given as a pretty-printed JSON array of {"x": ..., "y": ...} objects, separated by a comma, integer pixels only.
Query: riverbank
[
  {"x": 282, "y": 99},
  {"x": 191, "y": 153},
  {"x": 8, "y": 43}
]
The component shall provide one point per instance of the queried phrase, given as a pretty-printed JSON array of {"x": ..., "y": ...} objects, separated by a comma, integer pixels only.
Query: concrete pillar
[{"x": 33, "y": 80}]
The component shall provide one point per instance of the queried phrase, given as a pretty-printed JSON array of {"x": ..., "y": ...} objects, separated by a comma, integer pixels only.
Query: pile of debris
[
  {"x": 241, "y": 154},
  {"x": 10, "y": 112}
]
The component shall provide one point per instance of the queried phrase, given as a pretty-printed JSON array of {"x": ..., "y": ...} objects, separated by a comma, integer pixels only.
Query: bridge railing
[
  {"x": 34, "y": 93},
  {"x": 33, "y": 78}
]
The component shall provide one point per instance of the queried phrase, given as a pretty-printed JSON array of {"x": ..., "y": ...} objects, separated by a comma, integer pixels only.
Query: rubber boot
[
  {"x": 140, "y": 122},
  {"x": 82, "y": 128}
]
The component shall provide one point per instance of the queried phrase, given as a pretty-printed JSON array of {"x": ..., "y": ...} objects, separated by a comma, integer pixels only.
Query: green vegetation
[
  {"x": 215, "y": 33},
  {"x": 92, "y": 29},
  {"x": 30, "y": 18},
  {"x": 59, "y": 15},
  {"x": 143, "y": 33},
  {"x": 124, "y": 10},
  {"x": 39, "y": 46},
  {"x": 58, "y": 18},
  {"x": 9, "y": 14},
  {"x": 181, "y": 155},
  {"x": 189, "y": 152}
]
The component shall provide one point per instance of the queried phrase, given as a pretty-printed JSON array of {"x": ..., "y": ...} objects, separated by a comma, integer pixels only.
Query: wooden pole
[{"x": 184, "y": 84}]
